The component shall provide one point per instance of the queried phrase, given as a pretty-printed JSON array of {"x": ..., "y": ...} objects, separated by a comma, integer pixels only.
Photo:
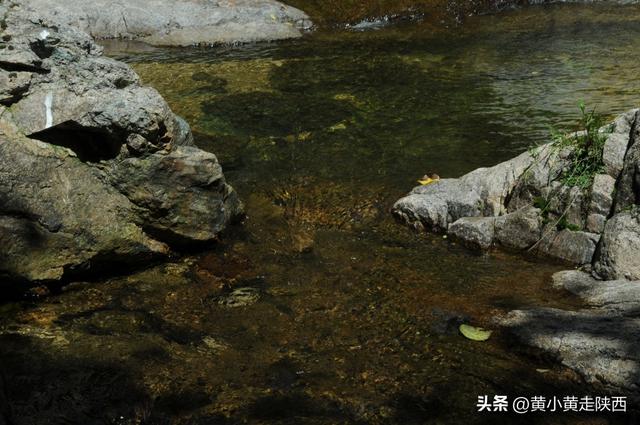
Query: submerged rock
[
  {"x": 178, "y": 22},
  {"x": 95, "y": 169},
  {"x": 240, "y": 297}
]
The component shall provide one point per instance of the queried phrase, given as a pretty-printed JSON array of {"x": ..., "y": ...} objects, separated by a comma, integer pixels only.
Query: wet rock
[
  {"x": 302, "y": 241},
  {"x": 178, "y": 23},
  {"x": 618, "y": 255},
  {"x": 476, "y": 232},
  {"x": 95, "y": 169},
  {"x": 57, "y": 215},
  {"x": 212, "y": 345},
  {"x": 576, "y": 247},
  {"x": 519, "y": 230},
  {"x": 240, "y": 297}
]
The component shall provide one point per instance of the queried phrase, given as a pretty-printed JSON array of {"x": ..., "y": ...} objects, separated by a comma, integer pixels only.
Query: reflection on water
[{"x": 321, "y": 309}]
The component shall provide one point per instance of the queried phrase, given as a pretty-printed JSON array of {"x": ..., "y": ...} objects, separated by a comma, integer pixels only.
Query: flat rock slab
[
  {"x": 601, "y": 343},
  {"x": 621, "y": 296},
  {"x": 178, "y": 22}
]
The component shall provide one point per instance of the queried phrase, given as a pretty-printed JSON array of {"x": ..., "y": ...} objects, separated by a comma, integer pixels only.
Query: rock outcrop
[
  {"x": 95, "y": 169},
  {"x": 178, "y": 22},
  {"x": 524, "y": 204}
]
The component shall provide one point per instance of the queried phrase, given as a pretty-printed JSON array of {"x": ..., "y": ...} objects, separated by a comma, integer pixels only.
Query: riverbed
[{"x": 320, "y": 308}]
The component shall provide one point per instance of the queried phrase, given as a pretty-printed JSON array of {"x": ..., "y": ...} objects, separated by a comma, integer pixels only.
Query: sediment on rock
[{"x": 95, "y": 169}]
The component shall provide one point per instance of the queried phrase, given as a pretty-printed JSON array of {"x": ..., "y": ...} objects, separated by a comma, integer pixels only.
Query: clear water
[{"x": 343, "y": 316}]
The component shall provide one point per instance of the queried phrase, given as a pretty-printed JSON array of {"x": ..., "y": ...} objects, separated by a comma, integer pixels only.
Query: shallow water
[{"x": 320, "y": 308}]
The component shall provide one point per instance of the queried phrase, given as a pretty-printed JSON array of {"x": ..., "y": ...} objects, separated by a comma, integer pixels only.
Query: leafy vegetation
[{"x": 586, "y": 149}]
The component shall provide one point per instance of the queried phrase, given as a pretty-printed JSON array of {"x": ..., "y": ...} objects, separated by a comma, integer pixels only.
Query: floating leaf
[{"x": 474, "y": 334}]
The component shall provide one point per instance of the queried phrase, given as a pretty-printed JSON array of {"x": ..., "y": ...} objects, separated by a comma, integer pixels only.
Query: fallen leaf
[
  {"x": 474, "y": 334},
  {"x": 426, "y": 181}
]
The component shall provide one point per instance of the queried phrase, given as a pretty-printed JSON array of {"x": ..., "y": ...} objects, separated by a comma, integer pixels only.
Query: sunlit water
[{"x": 343, "y": 315}]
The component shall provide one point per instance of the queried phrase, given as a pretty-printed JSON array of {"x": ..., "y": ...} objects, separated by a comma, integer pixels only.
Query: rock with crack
[
  {"x": 178, "y": 22},
  {"x": 95, "y": 169}
]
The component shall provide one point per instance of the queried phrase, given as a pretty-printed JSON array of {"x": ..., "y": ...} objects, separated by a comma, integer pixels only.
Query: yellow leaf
[{"x": 427, "y": 181}]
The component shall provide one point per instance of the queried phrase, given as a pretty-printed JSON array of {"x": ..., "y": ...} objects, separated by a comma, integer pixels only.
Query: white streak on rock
[
  {"x": 44, "y": 34},
  {"x": 48, "y": 103}
]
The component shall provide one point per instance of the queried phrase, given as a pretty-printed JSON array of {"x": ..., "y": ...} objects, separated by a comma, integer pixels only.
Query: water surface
[{"x": 320, "y": 308}]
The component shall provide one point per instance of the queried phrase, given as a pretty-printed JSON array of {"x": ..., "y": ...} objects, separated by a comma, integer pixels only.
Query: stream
[{"x": 319, "y": 308}]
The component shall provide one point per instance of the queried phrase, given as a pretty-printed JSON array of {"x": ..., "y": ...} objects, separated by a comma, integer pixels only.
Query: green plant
[
  {"x": 541, "y": 203},
  {"x": 586, "y": 147},
  {"x": 564, "y": 224}
]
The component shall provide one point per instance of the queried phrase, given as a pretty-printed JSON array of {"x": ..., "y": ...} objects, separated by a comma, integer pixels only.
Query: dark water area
[{"x": 320, "y": 309}]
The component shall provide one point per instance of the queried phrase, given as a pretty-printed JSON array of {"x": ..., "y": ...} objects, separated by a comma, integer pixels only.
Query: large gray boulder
[
  {"x": 95, "y": 169},
  {"x": 177, "y": 22}
]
